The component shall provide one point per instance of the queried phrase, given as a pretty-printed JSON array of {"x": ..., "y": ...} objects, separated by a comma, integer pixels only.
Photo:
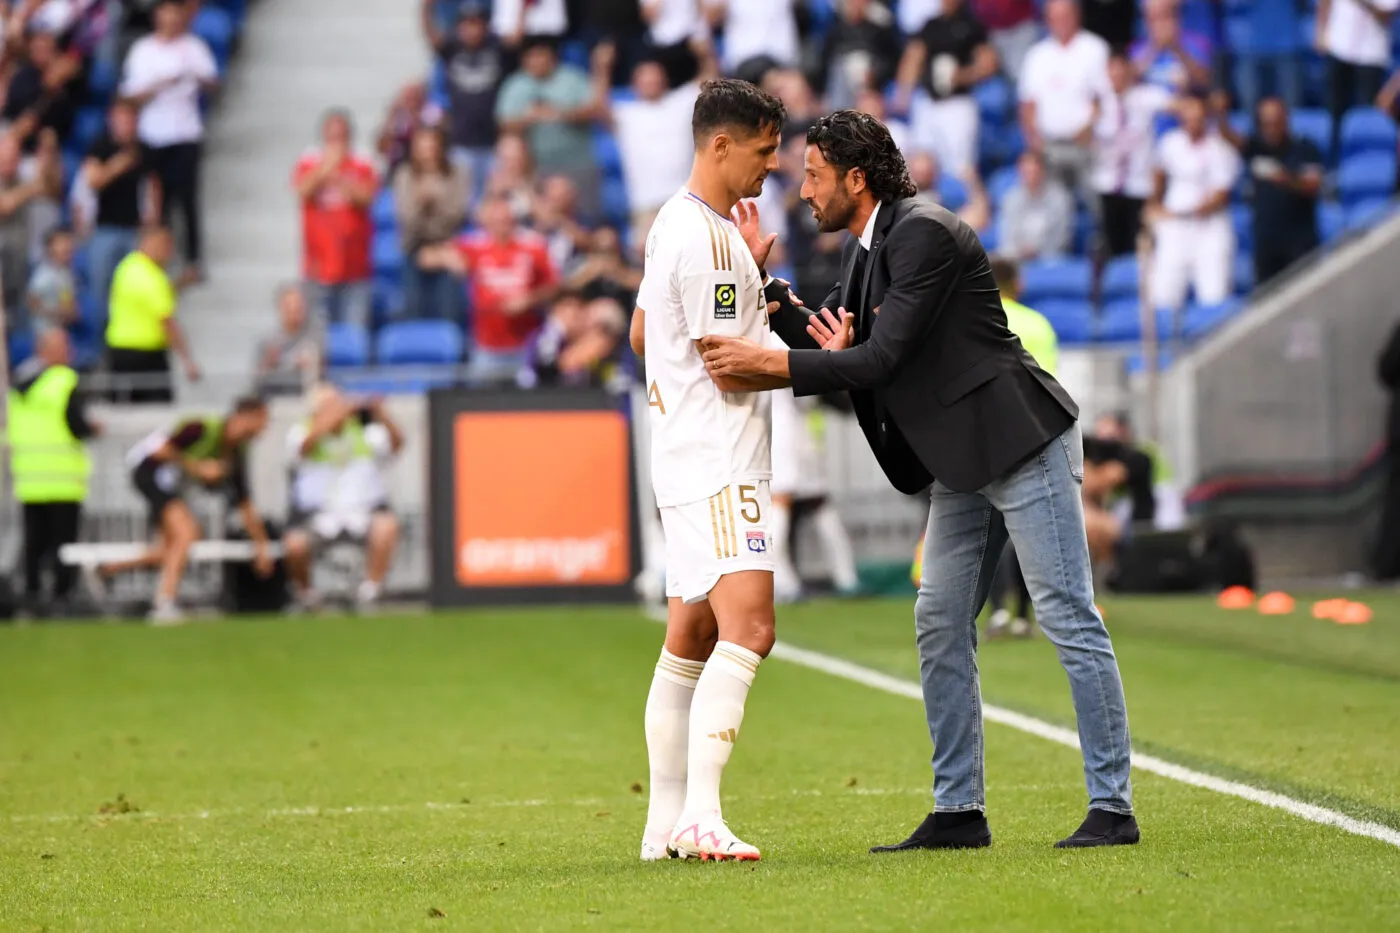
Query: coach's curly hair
[{"x": 850, "y": 139}]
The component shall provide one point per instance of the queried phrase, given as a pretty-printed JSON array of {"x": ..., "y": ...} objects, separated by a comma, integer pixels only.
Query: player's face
[
  {"x": 826, "y": 190},
  {"x": 749, "y": 160}
]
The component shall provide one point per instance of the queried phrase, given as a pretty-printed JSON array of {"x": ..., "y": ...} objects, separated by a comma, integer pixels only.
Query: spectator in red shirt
[
  {"x": 336, "y": 188},
  {"x": 1013, "y": 30},
  {"x": 512, "y": 275}
]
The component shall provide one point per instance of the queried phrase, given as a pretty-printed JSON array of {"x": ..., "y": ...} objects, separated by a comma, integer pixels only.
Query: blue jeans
[
  {"x": 429, "y": 295},
  {"x": 478, "y": 163},
  {"x": 343, "y": 301},
  {"x": 106, "y": 248},
  {"x": 1282, "y": 74},
  {"x": 1038, "y": 505}
]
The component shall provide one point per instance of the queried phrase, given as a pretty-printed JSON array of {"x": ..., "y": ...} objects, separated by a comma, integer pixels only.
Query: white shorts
[{"x": 725, "y": 533}]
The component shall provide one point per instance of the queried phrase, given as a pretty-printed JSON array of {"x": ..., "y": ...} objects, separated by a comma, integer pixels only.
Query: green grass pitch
[{"x": 486, "y": 771}]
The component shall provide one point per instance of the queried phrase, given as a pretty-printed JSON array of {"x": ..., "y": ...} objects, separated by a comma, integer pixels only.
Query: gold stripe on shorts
[
  {"x": 729, "y": 509},
  {"x": 714, "y": 526}
]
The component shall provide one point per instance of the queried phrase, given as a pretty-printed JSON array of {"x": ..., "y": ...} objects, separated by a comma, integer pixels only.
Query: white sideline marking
[{"x": 865, "y": 676}]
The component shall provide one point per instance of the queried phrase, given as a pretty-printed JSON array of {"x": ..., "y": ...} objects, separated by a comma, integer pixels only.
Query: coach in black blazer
[{"x": 948, "y": 399}]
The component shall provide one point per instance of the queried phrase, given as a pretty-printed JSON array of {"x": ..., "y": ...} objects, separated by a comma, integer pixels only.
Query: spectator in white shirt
[
  {"x": 653, "y": 135},
  {"x": 1037, "y": 215},
  {"x": 1196, "y": 168},
  {"x": 678, "y": 36},
  {"x": 1123, "y": 155},
  {"x": 755, "y": 30},
  {"x": 1355, "y": 37},
  {"x": 513, "y": 20},
  {"x": 1062, "y": 78},
  {"x": 165, "y": 73}
]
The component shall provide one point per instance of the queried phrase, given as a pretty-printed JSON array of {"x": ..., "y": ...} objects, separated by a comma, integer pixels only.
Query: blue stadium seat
[
  {"x": 1085, "y": 231},
  {"x": 406, "y": 342},
  {"x": 1367, "y": 213},
  {"x": 606, "y": 153},
  {"x": 1331, "y": 220},
  {"x": 346, "y": 345},
  {"x": 1072, "y": 320},
  {"x": 1242, "y": 219},
  {"x": 623, "y": 95},
  {"x": 21, "y": 346},
  {"x": 382, "y": 210},
  {"x": 1000, "y": 182},
  {"x": 1366, "y": 129},
  {"x": 952, "y": 194},
  {"x": 92, "y": 310},
  {"x": 437, "y": 85},
  {"x": 1136, "y": 362},
  {"x": 990, "y": 239},
  {"x": 1315, "y": 124},
  {"x": 1201, "y": 319},
  {"x": 1120, "y": 278},
  {"x": 215, "y": 26},
  {"x": 575, "y": 52},
  {"x": 103, "y": 77},
  {"x": 1241, "y": 122},
  {"x": 386, "y": 254},
  {"x": 1366, "y": 175},
  {"x": 1056, "y": 278},
  {"x": 1119, "y": 321},
  {"x": 386, "y": 301},
  {"x": 1244, "y": 274}
]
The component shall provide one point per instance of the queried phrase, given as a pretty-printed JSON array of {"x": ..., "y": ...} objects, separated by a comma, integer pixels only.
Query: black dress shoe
[
  {"x": 965, "y": 830},
  {"x": 1102, "y": 828}
]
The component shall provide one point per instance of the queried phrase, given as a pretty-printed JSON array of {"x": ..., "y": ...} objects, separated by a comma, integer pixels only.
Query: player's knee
[
  {"x": 297, "y": 545},
  {"x": 383, "y": 528}
]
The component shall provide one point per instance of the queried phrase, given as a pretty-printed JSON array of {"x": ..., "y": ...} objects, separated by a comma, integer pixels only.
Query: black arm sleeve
[
  {"x": 238, "y": 478},
  {"x": 76, "y": 416}
]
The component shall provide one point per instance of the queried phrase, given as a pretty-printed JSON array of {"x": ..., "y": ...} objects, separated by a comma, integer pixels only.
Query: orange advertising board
[{"x": 542, "y": 498}]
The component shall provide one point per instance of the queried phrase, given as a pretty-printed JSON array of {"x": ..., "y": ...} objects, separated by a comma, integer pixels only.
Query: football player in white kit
[{"x": 710, "y": 470}]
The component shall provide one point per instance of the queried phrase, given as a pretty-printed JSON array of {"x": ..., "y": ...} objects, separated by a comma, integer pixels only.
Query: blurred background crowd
[{"x": 489, "y": 228}]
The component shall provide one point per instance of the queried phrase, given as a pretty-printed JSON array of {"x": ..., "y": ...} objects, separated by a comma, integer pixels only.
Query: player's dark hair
[
  {"x": 850, "y": 139},
  {"x": 249, "y": 404},
  {"x": 737, "y": 106}
]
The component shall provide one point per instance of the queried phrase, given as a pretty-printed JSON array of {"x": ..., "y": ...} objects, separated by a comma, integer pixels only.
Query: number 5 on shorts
[{"x": 747, "y": 501}]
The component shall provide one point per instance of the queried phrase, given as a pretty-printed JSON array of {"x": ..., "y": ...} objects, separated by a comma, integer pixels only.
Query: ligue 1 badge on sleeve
[
  {"x": 758, "y": 542},
  {"x": 726, "y": 304}
]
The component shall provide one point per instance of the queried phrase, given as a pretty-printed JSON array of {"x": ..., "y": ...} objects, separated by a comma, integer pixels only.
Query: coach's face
[
  {"x": 827, "y": 190},
  {"x": 748, "y": 160}
]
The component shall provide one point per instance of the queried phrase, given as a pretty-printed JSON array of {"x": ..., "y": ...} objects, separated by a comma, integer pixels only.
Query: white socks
[
  {"x": 840, "y": 556},
  {"x": 668, "y": 733},
  {"x": 716, "y": 713},
  {"x": 786, "y": 584}
]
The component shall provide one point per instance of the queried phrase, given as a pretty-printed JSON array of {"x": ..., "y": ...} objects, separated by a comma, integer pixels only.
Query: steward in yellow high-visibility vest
[{"x": 48, "y": 463}]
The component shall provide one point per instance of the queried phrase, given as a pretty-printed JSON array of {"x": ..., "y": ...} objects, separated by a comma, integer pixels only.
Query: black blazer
[{"x": 942, "y": 389}]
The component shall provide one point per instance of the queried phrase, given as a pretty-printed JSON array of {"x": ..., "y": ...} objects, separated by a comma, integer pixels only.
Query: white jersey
[{"x": 700, "y": 279}]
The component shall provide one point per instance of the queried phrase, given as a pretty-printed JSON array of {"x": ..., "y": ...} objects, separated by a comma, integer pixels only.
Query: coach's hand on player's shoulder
[
  {"x": 745, "y": 215},
  {"x": 832, "y": 331}
]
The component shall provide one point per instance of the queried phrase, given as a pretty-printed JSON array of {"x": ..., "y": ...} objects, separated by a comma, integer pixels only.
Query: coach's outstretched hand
[
  {"x": 745, "y": 216},
  {"x": 832, "y": 332}
]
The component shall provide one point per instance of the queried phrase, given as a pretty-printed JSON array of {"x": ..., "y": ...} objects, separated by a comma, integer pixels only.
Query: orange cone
[
  {"x": 1235, "y": 597},
  {"x": 1354, "y": 614},
  {"x": 1275, "y": 604},
  {"x": 1328, "y": 608}
]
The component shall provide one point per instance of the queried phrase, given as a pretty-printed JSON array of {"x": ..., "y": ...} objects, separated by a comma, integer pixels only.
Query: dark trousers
[
  {"x": 177, "y": 167},
  {"x": 1349, "y": 86},
  {"x": 47, "y": 527},
  {"x": 1010, "y": 581},
  {"x": 140, "y": 376},
  {"x": 1122, "y": 217},
  {"x": 1271, "y": 258}
]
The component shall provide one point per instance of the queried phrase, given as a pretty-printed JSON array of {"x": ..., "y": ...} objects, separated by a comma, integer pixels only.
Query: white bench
[{"x": 201, "y": 552}]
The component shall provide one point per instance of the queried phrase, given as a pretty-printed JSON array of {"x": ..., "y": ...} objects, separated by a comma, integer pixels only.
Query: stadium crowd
[{"x": 499, "y": 219}]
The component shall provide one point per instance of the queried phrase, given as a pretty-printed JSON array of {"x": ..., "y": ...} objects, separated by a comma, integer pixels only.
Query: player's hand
[
  {"x": 745, "y": 216},
  {"x": 832, "y": 331},
  {"x": 732, "y": 356}
]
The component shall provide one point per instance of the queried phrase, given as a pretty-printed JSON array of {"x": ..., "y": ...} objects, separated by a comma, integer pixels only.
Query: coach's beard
[{"x": 837, "y": 215}]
